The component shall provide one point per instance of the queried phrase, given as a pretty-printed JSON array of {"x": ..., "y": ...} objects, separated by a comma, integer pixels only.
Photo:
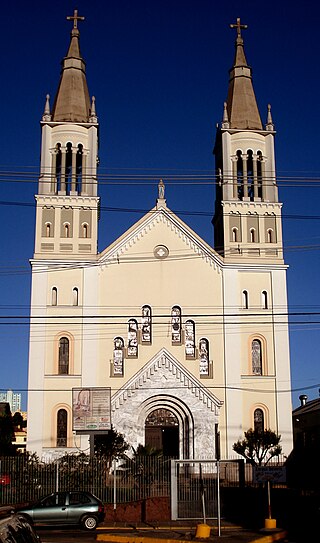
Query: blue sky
[{"x": 159, "y": 71}]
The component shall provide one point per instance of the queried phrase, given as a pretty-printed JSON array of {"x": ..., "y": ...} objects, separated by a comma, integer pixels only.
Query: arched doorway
[{"x": 162, "y": 432}]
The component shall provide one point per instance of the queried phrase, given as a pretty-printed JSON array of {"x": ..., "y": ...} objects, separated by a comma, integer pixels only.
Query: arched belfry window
[
  {"x": 176, "y": 325},
  {"x": 132, "y": 338},
  {"x": 264, "y": 299},
  {"x": 58, "y": 166},
  {"x": 190, "y": 345},
  {"x": 250, "y": 176},
  {"x": 62, "y": 428},
  {"x": 269, "y": 235},
  {"x": 54, "y": 296},
  {"x": 75, "y": 296},
  {"x": 256, "y": 357},
  {"x": 245, "y": 299},
  {"x": 204, "y": 356},
  {"x": 239, "y": 174},
  {"x": 64, "y": 355},
  {"x": 259, "y": 173},
  {"x": 79, "y": 171},
  {"x": 68, "y": 171},
  {"x": 118, "y": 356},
  {"x": 252, "y": 235},
  {"x": 258, "y": 421},
  {"x": 146, "y": 325}
]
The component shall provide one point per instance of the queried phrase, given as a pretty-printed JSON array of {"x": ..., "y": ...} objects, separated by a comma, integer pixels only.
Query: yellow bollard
[
  {"x": 203, "y": 531},
  {"x": 270, "y": 524}
]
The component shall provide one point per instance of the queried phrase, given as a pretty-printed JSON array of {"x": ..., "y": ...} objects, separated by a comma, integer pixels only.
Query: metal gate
[{"x": 195, "y": 489}]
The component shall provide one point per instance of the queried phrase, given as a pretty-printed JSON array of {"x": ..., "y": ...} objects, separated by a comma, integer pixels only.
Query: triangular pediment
[
  {"x": 164, "y": 373},
  {"x": 157, "y": 216}
]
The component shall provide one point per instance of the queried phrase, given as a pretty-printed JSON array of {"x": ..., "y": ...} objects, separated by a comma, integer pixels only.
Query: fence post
[
  {"x": 174, "y": 493},
  {"x": 57, "y": 475},
  {"x": 114, "y": 485},
  {"x": 241, "y": 468}
]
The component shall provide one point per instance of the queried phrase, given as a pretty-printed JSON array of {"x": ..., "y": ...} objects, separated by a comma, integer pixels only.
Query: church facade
[{"x": 149, "y": 359}]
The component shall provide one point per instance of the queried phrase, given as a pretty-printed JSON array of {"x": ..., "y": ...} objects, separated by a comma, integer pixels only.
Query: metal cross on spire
[
  {"x": 75, "y": 18},
  {"x": 238, "y": 26}
]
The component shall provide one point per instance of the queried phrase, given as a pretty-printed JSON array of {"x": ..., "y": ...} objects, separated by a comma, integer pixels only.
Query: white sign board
[
  {"x": 91, "y": 409},
  {"x": 274, "y": 474}
]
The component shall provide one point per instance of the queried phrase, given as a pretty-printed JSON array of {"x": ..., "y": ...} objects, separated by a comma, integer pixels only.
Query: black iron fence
[{"x": 25, "y": 478}]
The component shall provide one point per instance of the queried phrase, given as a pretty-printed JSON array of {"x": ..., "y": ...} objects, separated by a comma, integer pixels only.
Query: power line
[{"x": 195, "y": 386}]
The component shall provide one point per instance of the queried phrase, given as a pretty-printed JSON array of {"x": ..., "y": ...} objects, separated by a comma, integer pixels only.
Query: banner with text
[{"x": 91, "y": 409}]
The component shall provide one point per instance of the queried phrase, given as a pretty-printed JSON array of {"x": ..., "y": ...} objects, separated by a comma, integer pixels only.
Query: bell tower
[
  {"x": 67, "y": 201},
  {"x": 247, "y": 220}
]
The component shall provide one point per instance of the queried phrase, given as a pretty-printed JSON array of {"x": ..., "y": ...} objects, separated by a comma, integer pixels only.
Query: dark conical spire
[
  {"x": 72, "y": 102},
  {"x": 242, "y": 106}
]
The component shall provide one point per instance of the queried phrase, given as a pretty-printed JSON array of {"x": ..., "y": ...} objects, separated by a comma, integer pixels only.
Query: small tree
[
  {"x": 258, "y": 447},
  {"x": 6, "y": 432},
  {"x": 110, "y": 446}
]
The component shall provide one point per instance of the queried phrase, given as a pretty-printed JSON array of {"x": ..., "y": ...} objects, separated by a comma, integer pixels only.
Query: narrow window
[
  {"x": 176, "y": 325},
  {"x": 48, "y": 229},
  {"x": 256, "y": 357},
  {"x": 54, "y": 296},
  {"x": 240, "y": 174},
  {"x": 75, "y": 296},
  {"x": 85, "y": 230},
  {"x": 204, "y": 356},
  {"x": 259, "y": 173},
  {"x": 250, "y": 174},
  {"x": 58, "y": 166},
  {"x": 63, "y": 368},
  {"x": 118, "y": 356},
  {"x": 252, "y": 235},
  {"x": 234, "y": 234},
  {"x": 79, "y": 168},
  {"x": 66, "y": 230},
  {"x": 62, "y": 428},
  {"x": 264, "y": 299},
  {"x": 269, "y": 235},
  {"x": 258, "y": 421},
  {"x": 146, "y": 321},
  {"x": 132, "y": 338},
  {"x": 245, "y": 299},
  {"x": 190, "y": 346},
  {"x": 68, "y": 172}
]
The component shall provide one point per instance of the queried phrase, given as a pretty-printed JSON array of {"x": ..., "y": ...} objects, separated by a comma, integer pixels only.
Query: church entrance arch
[
  {"x": 162, "y": 432},
  {"x": 168, "y": 425}
]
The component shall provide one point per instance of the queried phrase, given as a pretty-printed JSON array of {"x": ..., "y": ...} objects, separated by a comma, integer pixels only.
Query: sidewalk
[{"x": 183, "y": 532}]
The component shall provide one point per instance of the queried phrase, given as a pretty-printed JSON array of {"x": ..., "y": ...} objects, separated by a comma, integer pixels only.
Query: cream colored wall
[{"x": 205, "y": 291}]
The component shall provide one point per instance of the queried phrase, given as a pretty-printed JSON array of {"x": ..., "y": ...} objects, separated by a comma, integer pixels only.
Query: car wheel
[
  {"x": 89, "y": 522},
  {"x": 26, "y": 517}
]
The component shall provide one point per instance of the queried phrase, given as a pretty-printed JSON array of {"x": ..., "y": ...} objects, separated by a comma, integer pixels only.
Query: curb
[
  {"x": 110, "y": 538},
  {"x": 135, "y": 539},
  {"x": 277, "y": 536}
]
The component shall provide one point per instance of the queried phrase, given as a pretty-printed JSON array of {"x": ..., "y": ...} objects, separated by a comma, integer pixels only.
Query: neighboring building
[
  {"x": 190, "y": 338},
  {"x": 306, "y": 425},
  {"x": 303, "y": 461},
  {"x": 13, "y": 399}
]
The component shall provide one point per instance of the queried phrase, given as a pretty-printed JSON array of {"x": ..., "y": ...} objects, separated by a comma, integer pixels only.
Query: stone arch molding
[{"x": 164, "y": 382}]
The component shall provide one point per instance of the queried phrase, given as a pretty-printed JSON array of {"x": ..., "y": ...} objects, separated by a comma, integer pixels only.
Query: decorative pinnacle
[
  {"x": 239, "y": 26},
  {"x": 93, "y": 115},
  {"x": 269, "y": 125},
  {"x": 46, "y": 114},
  {"x": 225, "y": 118}
]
